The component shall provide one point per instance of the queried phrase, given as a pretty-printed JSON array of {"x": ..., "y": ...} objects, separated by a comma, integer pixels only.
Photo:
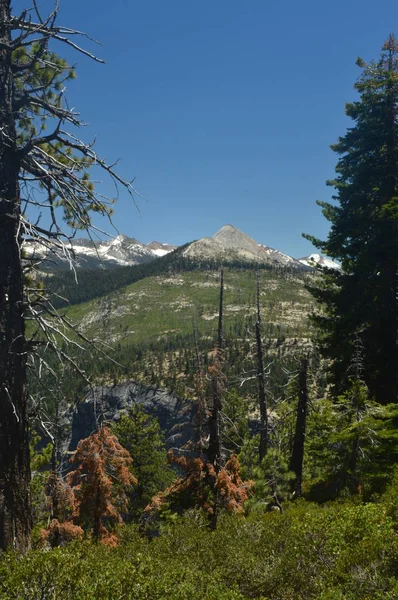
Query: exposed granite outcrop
[{"x": 108, "y": 403}]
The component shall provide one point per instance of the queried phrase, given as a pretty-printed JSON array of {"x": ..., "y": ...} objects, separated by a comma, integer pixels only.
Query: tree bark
[
  {"x": 297, "y": 457},
  {"x": 214, "y": 451},
  {"x": 261, "y": 382},
  {"x": 15, "y": 514}
]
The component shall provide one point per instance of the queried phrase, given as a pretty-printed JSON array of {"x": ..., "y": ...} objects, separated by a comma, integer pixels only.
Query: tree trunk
[
  {"x": 261, "y": 382},
  {"x": 214, "y": 451},
  {"x": 201, "y": 401},
  {"x": 15, "y": 515},
  {"x": 297, "y": 457}
]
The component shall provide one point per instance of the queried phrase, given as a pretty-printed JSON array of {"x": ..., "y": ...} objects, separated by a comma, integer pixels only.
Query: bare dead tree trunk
[
  {"x": 214, "y": 452},
  {"x": 220, "y": 312},
  {"x": 261, "y": 382},
  {"x": 200, "y": 391},
  {"x": 54, "y": 477},
  {"x": 297, "y": 456},
  {"x": 15, "y": 514}
]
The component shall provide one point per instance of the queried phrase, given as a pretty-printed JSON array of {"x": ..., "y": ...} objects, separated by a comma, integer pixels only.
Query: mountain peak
[
  {"x": 230, "y": 243},
  {"x": 232, "y": 238},
  {"x": 228, "y": 228}
]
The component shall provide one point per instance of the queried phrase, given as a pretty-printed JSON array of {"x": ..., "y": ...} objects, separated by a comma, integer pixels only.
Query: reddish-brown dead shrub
[{"x": 59, "y": 534}]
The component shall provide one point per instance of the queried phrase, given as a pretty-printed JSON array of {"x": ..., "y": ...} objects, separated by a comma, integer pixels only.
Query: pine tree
[
  {"x": 44, "y": 172},
  {"x": 361, "y": 299},
  {"x": 100, "y": 482},
  {"x": 297, "y": 455},
  {"x": 201, "y": 486},
  {"x": 140, "y": 434},
  {"x": 262, "y": 399}
]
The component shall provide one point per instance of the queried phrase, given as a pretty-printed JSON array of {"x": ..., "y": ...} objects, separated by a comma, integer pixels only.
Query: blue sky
[{"x": 223, "y": 111}]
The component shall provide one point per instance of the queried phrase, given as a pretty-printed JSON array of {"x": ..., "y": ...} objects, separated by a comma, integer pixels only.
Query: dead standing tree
[
  {"x": 44, "y": 167},
  {"x": 214, "y": 451},
  {"x": 14, "y": 447},
  {"x": 262, "y": 399},
  {"x": 297, "y": 455}
]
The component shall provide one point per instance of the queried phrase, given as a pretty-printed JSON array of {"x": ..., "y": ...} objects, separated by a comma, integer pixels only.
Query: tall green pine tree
[{"x": 362, "y": 298}]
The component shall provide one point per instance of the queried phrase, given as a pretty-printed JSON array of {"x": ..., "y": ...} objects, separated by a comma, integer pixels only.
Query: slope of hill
[
  {"x": 165, "y": 305},
  {"x": 148, "y": 327}
]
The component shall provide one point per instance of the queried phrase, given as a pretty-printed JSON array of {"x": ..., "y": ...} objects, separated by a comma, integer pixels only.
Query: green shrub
[{"x": 344, "y": 551}]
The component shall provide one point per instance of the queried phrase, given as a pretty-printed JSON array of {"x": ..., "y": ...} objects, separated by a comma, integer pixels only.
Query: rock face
[
  {"x": 229, "y": 243},
  {"x": 233, "y": 239},
  {"x": 176, "y": 417}
]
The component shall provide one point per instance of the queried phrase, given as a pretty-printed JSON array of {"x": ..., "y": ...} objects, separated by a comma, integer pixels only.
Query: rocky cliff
[{"x": 108, "y": 403}]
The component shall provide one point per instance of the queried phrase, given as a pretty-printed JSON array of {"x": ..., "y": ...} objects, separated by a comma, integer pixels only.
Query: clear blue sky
[{"x": 223, "y": 110}]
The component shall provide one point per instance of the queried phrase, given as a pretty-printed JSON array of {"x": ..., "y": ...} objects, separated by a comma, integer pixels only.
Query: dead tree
[
  {"x": 200, "y": 389},
  {"x": 44, "y": 167},
  {"x": 214, "y": 451},
  {"x": 297, "y": 455},
  {"x": 15, "y": 515},
  {"x": 261, "y": 382}
]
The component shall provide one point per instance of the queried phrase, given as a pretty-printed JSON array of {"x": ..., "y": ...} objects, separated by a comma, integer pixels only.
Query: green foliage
[
  {"x": 39, "y": 465},
  {"x": 149, "y": 324},
  {"x": 235, "y": 419},
  {"x": 352, "y": 445},
  {"x": 40, "y": 76},
  {"x": 272, "y": 478},
  {"x": 93, "y": 283},
  {"x": 140, "y": 434},
  {"x": 361, "y": 299},
  {"x": 341, "y": 552}
]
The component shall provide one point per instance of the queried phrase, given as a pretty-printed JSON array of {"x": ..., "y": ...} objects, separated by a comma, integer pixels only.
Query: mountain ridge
[
  {"x": 118, "y": 251},
  {"x": 228, "y": 244}
]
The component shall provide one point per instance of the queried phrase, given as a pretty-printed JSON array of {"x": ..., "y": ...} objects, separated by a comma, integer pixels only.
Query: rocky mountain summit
[{"x": 229, "y": 244}]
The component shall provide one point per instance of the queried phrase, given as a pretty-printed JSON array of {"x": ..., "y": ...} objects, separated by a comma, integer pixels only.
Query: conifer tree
[
  {"x": 139, "y": 433},
  {"x": 263, "y": 446},
  {"x": 44, "y": 172},
  {"x": 297, "y": 455},
  {"x": 361, "y": 299},
  {"x": 100, "y": 482}
]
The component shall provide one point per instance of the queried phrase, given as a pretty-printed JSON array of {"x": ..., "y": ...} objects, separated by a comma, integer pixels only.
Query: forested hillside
[{"x": 154, "y": 328}]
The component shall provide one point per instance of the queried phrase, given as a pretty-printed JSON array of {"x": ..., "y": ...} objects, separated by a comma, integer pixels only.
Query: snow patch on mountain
[
  {"x": 315, "y": 260},
  {"x": 118, "y": 251}
]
